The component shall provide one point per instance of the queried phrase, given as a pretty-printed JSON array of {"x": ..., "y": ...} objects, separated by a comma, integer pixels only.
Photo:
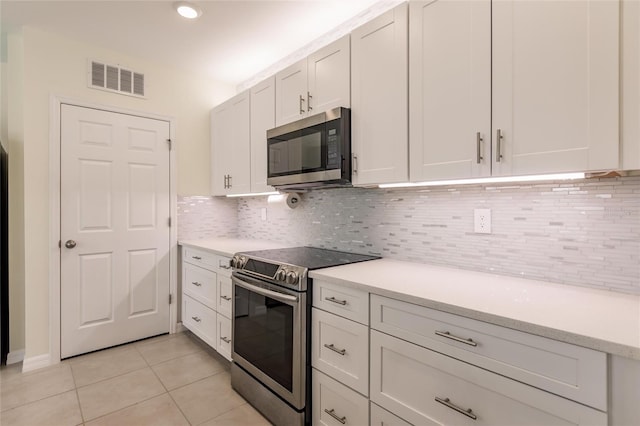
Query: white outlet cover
[{"x": 482, "y": 221}]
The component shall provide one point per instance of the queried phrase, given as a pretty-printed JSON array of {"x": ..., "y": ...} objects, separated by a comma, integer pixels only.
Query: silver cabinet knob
[{"x": 70, "y": 244}]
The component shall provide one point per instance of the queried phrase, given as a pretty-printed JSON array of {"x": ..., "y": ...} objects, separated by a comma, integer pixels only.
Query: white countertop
[
  {"x": 230, "y": 246},
  {"x": 597, "y": 319}
]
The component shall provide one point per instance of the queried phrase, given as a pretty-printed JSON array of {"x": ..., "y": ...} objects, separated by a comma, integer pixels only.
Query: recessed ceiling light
[{"x": 187, "y": 10}]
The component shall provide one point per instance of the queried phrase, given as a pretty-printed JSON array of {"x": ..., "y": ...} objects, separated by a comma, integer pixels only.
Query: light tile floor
[{"x": 167, "y": 380}]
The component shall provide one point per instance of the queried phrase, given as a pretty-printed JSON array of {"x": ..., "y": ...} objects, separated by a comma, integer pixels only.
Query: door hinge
[
  {"x": 169, "y": 221},
  {"x": 170, "y": 143},
  {"x": 170, "y": 298}
]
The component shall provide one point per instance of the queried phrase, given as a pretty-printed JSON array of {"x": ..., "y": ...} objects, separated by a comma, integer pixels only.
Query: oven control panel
[{"x": 283, "y": 274}]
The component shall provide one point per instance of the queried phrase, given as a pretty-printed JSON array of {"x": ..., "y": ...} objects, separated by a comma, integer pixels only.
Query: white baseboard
[
  {"x": 35, "y": 362},
  {"x": 15, "y": 357}
]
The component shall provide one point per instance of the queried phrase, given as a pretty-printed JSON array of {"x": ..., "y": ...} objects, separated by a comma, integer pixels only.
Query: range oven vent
[{"x": 114, "y": 78}]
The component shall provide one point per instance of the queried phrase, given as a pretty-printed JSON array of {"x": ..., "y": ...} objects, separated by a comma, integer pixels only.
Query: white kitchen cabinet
[
  {"x": 314, "y": 84},
  {"x": 427, "y": 387},
  {"x": 263, "y": 118},
  {"x": 450, "y": 89},
  {"x": 382, "y": 417},
  {"x": 200, "y": 319},
  {"x": 630, "y": 85},
  {"x": 513, "y": 88},
  {"x": 379, "y": 117},
  {"x": 223, "y": 333},
  {"x": 230, "y": 146},
  {"x": 335, "y": 404},
  {"x": 341, "y": 300}
]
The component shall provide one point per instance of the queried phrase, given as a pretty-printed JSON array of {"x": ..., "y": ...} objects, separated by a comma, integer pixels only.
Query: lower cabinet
[
  {"x": 335, "y": 404},
  {"x": 382, "y": 417},
  {"x": 223, "y": 343},
  {"x": 200, "y": 319}
]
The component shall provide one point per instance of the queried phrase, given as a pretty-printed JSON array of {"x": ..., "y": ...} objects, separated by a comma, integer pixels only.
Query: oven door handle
[{"x": 280, "y": 297}]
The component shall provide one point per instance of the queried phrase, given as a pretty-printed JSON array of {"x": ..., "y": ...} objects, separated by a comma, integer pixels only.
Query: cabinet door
[
  {"x": 329, "y": 77},
  {"x": 379, "y": 120},
  {"x": 630, "y": 84},
  {"x": 220, "y": 132},
  {"x": 291, "y": 93},
  {"x": 555, "y": 86},
  {"x": 450, "y": 89},
  {"x": 263, "y": 118}
]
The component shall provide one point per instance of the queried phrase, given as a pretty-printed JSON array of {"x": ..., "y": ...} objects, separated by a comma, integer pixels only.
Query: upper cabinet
[
  {"x": 379, "y": 120},
  {"x": 230, "y": 146},
  {"x": 630, "y": 84},
  {"x": 513, "y": 88},
  {"x": 263, "y": 118},
  {"x": 315, "y": 84}
]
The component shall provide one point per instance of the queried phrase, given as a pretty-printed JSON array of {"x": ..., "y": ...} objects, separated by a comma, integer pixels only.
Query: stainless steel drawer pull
[
  {"x": 479, "y": 140},
  {"x": 448, "y": 335},
  {"x": 196, "y": 257},
  {"x": 302, "y": 111},
  {"x": 333, "y": 414},
  {"x": 196, "y": 319},
  {"x": 227, "y": 298},
  {"x": 196, "y": 283},
  {"x": 334, "y": 300},
  {"x": 225, "y": 339},
  {"x": 225, "y": 266},
  {"x": 499, "y": 137},
  {"x": 447, "y": 402},
  {"x": 333, "y": 348}
]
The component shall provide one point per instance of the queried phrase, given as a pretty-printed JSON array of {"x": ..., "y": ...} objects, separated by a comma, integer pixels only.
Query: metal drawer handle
[
  {"x": 225, "y": 339},
  {"x": 302, "y": 111},
  {"x": 334, "y": 300},
  {"x": 332, "y": 413},
  {"x": 196, "y": 283},
  {"x": 227, "y": 298},
  {"x": 479, "y": 140},
  {"x": 336, "y": 350},
  {"x": 196, "y": 257},
  {"x": 447, "y": 402},
  {"x": 196, "y": 319},
  {"x": 225, "y": 266},
  {"x": 448, "y": 335},
  {"x": 499, "y": 137}
]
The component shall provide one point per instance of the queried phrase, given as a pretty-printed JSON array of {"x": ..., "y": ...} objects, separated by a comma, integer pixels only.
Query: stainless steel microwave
[{"x": 311, "y": 152}]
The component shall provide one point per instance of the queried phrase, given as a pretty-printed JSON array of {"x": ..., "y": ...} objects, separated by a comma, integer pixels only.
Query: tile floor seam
[
  {"x": 221, "y": 414},
  {"x": 126, "y": 407},
  {"x": 179, "y": 408},
  {"x": 75, "y": 389},
  {"x": 112, "y": 377},
  {"x": 196, "y": 381},
  {"x": 39, "y": 399}
]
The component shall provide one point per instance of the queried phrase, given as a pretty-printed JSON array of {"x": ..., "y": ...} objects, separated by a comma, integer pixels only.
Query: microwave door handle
[{"x": 280, "y": 297}]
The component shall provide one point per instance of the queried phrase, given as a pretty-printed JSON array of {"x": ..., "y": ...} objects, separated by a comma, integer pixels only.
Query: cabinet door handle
[
  {"x": 225, "y": 339},
  {"x": 336, "y": 350},
  {"x": 196, "y": 319},
  {"x": 224, "y": 266},
  {"x": 499, "y": 137},
  {"x": 354, "y": 165},
  {"x": 196, "y": 257},
  {"x": 479, "y": 140},
  {"x": 225, "y": 181},
  {"x": 302, "y": 111},
  {"x": 227, "y": 298},
  {"x": 229, "y": 180},
  {"x": 333, "y": 414},
  {"x": 196, "y": 283},
  {"x": 448, "y": 335},
  {"x": 309, "y": 107},
  {"x": 447, "y": 402},
  {"x": 334, "y": 300}
]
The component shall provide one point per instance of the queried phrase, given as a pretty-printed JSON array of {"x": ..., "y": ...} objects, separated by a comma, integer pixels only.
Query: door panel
[{"x": 115, "y": 207}]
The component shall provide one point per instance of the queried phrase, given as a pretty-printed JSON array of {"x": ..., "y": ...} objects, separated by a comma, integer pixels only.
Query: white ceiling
[{"x": 231, "y": 42}]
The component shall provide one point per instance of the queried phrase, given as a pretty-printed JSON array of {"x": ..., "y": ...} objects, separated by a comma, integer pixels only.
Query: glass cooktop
[{"x": 308, "y": 257}]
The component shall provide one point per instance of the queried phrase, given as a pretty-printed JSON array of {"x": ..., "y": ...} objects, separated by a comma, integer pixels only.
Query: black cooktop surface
[{"x": 309, "y": 257}]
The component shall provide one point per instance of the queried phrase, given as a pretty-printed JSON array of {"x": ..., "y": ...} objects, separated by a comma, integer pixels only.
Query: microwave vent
[{"x": 114, "y": 78}]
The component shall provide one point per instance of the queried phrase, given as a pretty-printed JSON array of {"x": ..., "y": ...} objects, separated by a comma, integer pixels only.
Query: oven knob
[
  {"x": 281, "y": 275},
  {"x": 243, "y": 261},
  {"x": 235, "y": 262},
  {"x": 292, "y": 277}
]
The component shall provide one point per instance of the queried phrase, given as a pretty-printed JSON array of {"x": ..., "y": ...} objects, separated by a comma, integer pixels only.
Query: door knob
[{"x": 70, "y": 244}]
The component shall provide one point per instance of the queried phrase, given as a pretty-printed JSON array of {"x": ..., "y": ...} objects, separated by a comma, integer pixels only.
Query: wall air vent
[{"x": 114, "y": 78}]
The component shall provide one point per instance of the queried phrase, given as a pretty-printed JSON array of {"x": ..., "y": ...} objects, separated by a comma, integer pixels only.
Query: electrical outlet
[{"x": 482, "y": 221}]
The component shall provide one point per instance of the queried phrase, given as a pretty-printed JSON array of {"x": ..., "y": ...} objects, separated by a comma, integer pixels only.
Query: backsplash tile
[
  {"x": 584, "y": 232},
  {"x": 202, "y": 217}
]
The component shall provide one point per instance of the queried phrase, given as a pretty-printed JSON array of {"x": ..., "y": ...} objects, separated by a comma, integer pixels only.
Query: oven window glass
[
  {"x": 298, "y": 152},
  {"x": 263, "y": 334}
]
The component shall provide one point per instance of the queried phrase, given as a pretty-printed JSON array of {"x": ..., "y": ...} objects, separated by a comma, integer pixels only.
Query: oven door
[{"x": 268, "y": 336}]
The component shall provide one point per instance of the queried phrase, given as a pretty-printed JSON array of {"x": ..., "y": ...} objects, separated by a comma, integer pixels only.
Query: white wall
[{"x": 54, "y": 65}]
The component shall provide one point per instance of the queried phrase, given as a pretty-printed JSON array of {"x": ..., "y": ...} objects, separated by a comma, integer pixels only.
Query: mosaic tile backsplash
[{"x": 584, "y": 232}]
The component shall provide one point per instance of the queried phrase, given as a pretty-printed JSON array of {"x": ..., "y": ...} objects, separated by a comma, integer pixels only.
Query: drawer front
[
  {"x": 225, "y": 294},
  {"x": 572, "y": 371},
  {"x": 199, "y": 319},
  {"x": 334, "y": 404},
  {"x": 200, "y": 258},
  {"x": 425, "y": 387},
  {"x": 224, "y": 336},
  {"x": 340, "y": 300},
  {"x": 224, "y": 267},
  {"x": 340, "y": 348},
  {"x": 200, "y": 284},
  {"x": 381, "y": 417}
]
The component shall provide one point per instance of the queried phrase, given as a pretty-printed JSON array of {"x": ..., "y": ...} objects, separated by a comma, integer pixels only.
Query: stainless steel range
[{"x": 271, "y": 342}]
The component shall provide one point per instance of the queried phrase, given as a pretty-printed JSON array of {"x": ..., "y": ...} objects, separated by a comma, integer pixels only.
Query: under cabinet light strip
[
  {"x": 502, "y": 179},
  {"x": 255, "y": 194}
]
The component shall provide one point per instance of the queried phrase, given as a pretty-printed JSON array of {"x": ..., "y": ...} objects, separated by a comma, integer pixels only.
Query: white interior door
[{"x": 115, "y": 234}]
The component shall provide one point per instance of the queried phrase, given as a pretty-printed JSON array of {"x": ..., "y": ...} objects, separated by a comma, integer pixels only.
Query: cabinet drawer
[
  {"x": 225, "y": 294},
  {"x": 200, "y": 284},
  {"x": 199, "y": 319},
  {"x": 334, "y": 404},
  {"x": 224, "y": 267},
  {"x": 224, "y": 336},
  {"x": 406, "y": 379},
  {"x": 572, "y": 371},
  {"x": 340, "y": 348},
  {"x": 340, "y": 300},
  {"x": 199, "y": 257},
  {"x": 381, "y": 417}
]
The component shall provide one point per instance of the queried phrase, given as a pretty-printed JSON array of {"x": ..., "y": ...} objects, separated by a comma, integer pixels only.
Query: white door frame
[{"x": 54, "y": 221}]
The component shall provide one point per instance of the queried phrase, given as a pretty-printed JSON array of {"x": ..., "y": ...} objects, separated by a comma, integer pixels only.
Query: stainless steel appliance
[
  {"x": 271, "y": 328},
  {"x": 311, "y": 152}
]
